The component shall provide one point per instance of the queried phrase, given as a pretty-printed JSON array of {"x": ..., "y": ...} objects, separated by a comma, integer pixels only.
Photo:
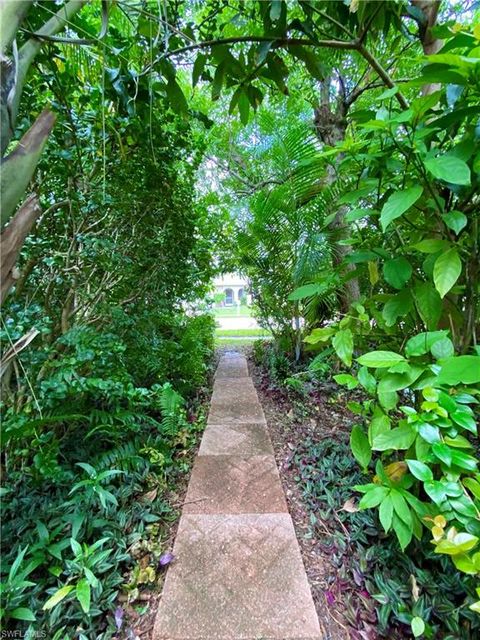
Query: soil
[{"x": 286, "y": 433}]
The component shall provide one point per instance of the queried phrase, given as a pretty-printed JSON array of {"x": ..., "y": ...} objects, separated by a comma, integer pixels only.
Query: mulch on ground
[{"x": 287, "y": 432}]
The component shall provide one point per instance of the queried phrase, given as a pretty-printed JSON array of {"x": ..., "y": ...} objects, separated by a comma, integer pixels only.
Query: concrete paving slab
[
  {"x": 232, "y": 367},
  {"x": 239, "y": 439},
  {"x": 236, "y": 577},
  {"x": 235, "y": 412},
  {"x": 229, "y": 391},
  {"x": 233, "y": 484}
]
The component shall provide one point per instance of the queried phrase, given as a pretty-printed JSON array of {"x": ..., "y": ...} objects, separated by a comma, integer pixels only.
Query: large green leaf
[
  {"x": 422, "y": 342},
  {"x": 429, "y": 304},
  {"x": 398, "y": 203},
  {"x": 380, "y": 359},
  {"x": 455, "y": 220},
  {"x": 397, "y": 272},
  {"x": 460, "y": 370},
  {"x": 343, "y": 345},
  {"x": 176, "y": 97},
  {"x": 449, "y": 169},
  {"x": 403, "y": 531},
  {"x": 385, "y": 513},
  {"x": 306, "y": 291},
  {"x": 360, "y": 446},
  {"x": 398, "y": 306},
  {"x": 446, "y": 271},
  {"x": 401, "y": 507},
  {"x": 443, "y": 349},
  {"x": 420, "y": 470},
  {"x": 397, "y": 439},
  {"x": 320, "y": 334},
  {"x": 373, "y": 497},
  {"x": 58, "y": 596},
  {"x": 22, "y": 613},
  {"x": 83, "y": 594}
]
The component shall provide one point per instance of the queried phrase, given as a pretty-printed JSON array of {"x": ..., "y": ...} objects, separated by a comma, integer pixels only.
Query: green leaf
[
  {"x": 311, "y": 60},
  {"x": 420, "y": 470},
  {"x": 22, "y": 613},
  {"x": 373, "y": 497},
  {"x": 398, "y": 203},
  {"x": 90, "y": 576},
  {"x": 244, "y": 107},
  {"x": 429, "y": 432},
  {"x": 455, "y": 220},
  {"x": 385, "y": 513},
  {"x": 218, "y": 78},
  {"x": 422, "y": 342},
  {"x": 379, "y": 424},
  {"x": 473, "y": 486},
  {"x": 446, "y": 271},
  {"x": 398, "y": 306},
  {"x": 347, "y": 380},
  {"x": 460, "y": 369},
  {"x": 388, "y": 399},
  {"x": 380, "y": 359},
  {"x": 442, "y": 349},
  {"x": 76, "y": 547},
  {"x": 400, "y": 507},
  {"x": 320, "y": 335},
  {"x": 176, "y": 97},
  {"x": 418, "y": 626},
  {"x": 465, "y": 420},
  {"x": 367, "y": 381},
  {"x": 436, "y": 491},
  {"x": 433, "y": 245},
  {"x": 449, "y": 169},
  {"x": 83, "y": 594},
  {"x": 360, "y": 446},
  {"x": 57, "y": 597},
  {"x": 307, "y": 291},
  {"x": 397, "y": 272},
  {"x": 396, "y": 439},
  {"x": 343, "y": 345},
  {"x": 460, "y": 543},
  {"x": 402, "y": 531},
  {"x": 198, "y": 67},
  {"x": 463, "y": 460},
  {"x": 429, "y": 304},
  {"x": 442, "y": 452}
]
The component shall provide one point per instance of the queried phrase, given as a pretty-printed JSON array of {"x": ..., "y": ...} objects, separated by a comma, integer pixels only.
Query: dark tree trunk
[{"x": 330, "y": 127}]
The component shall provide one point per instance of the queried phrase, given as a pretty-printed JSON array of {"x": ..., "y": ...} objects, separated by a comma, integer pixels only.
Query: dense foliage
[
  {"x": 343, "y": 138},
  {"x": 105, "y": 354}
]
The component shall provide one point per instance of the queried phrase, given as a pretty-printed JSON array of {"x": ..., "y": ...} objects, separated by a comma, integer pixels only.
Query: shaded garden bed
[{"x": 363, "y": 586}]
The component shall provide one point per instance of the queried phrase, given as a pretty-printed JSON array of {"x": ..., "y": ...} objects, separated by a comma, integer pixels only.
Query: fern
[
  {"x": 171, "y": 404},
  {"x": 125, "y": 457}
]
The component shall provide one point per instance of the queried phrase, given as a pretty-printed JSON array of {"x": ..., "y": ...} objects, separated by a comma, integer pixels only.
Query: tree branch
[{"x": 278, "y": 42}]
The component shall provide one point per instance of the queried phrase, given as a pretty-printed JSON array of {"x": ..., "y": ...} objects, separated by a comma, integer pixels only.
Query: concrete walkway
[{"x": 238, "y": 573}]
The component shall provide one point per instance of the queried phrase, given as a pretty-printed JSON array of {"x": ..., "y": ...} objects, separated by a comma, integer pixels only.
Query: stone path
[{"x": 238, "y": 573}]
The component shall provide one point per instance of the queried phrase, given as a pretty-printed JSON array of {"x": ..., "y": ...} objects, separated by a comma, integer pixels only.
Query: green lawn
[
  {"x": 243, "y": 310},
  {"x": 234, "y": 342},
  {"x": 242, "y": 332}
]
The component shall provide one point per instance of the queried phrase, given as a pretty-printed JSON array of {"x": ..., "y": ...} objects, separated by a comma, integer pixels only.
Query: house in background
[{"x": 231, "y": 289}]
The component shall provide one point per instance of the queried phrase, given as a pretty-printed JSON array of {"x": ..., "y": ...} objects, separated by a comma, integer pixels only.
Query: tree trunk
[
  {"x": 430, "y": 44},
  {"x": 330, "y": 127},
  {"x": 12, "y": 239}
]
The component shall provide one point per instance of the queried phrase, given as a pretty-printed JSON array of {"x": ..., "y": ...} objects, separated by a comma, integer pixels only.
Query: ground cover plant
[
  {"x": 376, "y": 590},
  {"x": 328, "y": 150}
]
